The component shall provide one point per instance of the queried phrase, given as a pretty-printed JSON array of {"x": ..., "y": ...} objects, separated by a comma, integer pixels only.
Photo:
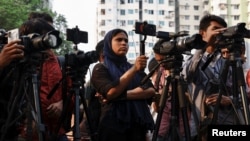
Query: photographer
[
  {"x": 204, "y": 84},
  {"x": 165, "y": 128},
  {"x": 10, "y": 53},
  {"x": 125, "y": 116},
  {"x": 49, "y": 73}
]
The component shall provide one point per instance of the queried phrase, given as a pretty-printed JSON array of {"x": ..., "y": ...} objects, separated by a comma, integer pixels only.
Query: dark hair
[
  {"x": 116, "y": 31},
  {"x": 207, "y": 19},
  {"x": 99, "y": 47},
  {"x": 158, "y": 45},
  {"x": 42, "y": 15},
  {"x": 152, "y": 63},
  {"x": 38, "y": 26}
]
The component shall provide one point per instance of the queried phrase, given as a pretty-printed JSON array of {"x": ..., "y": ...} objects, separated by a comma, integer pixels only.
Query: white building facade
[{"x": 167, "y": 15}]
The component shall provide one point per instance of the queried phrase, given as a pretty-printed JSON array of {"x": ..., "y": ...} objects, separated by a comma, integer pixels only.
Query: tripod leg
[
  {"x": 77, "y": 136},
  {"x": 93, "y": 135},
  {"x": 183, "y": 107},
  {"x": 242, "y": 87},
  {"x": 38, "y": 118},
  {"x": 161, "y": 107}
]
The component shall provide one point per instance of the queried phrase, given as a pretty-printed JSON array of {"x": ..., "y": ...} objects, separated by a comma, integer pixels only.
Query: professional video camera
[
  {"x": 145, "y": 29},
  {"x": 33, "y": 42},
  {"x": 180, "y": 45},
  {"x": 233, "y": 35},
  {"x": 79, "y": 59},
  {"x": 174, "y": 43},
  {"x": 77, "y": 36}
]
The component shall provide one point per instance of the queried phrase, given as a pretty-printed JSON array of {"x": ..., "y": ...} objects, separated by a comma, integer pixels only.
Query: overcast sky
[{"x": 79, "y": 13}]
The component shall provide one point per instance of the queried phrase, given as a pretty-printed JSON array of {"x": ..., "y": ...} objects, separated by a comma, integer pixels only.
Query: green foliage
[{"x": 14, "y": 12}]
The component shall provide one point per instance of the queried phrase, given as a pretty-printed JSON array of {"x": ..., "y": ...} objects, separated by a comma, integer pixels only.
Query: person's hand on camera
[
  {"x": 140, "y": 62},
  {"x": 211, "y": 38},
  {"x": 10, "y": 52}
]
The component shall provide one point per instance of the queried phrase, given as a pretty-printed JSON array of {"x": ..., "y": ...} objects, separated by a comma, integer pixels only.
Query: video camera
[
  {"x": 233, "y": 35},
  {"x": 174, "y": 43},
  {"x": 181, "y": 45},
  {"x": 77, "y": 36},
  {"x": 79, "y": 59},
  {"x": 33, "y": 42}
]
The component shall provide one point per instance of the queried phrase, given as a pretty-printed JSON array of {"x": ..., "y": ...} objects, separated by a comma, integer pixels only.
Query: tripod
[
  {"x": 241, "y": 110},
  {"x": 76, "y": 71},
  {"x": 25, "y": 97},
  {"x": 177, "y": 100}
]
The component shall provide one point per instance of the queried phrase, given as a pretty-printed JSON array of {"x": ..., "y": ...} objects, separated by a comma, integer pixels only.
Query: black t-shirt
[{"x": 120, "y": 113}]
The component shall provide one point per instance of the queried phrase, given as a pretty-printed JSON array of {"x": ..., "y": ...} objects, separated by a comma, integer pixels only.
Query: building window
[
  {"x": 186, "y": 7},
  {"x": 122, "y": 1},
  {"x": 196, "y": 18},
  {"x": 161, "y": 23},
  {"x": 196, "y": 27},
  {"x": 171, "y": 24},
  {"x": 161, "y": 12},
  {"x": 122, "y": 23},
  {"x": 131, "y": 44},
  {"x": 102, "y": 33},
  {"x": 196, "y": 7},
  {"x": 130, "y": 22},
  {"x": 102, "y": 23},
  {"x": 150, "y": 22},
  {"x": 171, "y": 2},
  {"x": 236, "y": 17},
  {"x": 236, "y": 6},
  {"x": 130, "y": 11},
  {"x": 151, "y": 12},
  {"x": 150, "y": 44},
  {"x": 122, "y": 12},
  {"x": 150, "y": 1},
  {"x": 102, "y": 11},
  {"x": 186, "y": 17},
  {"x": 130, "y": 1},
  {"x": 161, "y": 1},
  {"x": 131, "y": 33},
  {"x": 102, "y": 1},
  {"x": 131, "y": 55}
]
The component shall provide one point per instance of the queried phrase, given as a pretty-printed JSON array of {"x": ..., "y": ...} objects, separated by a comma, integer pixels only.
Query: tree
[{"x": 15, "y": 12}]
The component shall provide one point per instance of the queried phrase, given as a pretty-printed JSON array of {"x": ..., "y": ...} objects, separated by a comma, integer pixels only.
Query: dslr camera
[{"x": 32, "y": 42}]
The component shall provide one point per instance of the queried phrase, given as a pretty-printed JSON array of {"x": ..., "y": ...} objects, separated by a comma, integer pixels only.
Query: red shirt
[{"x": 51, "y": 74}]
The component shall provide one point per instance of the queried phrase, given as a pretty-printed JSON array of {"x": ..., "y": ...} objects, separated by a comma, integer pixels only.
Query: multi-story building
[
  {"x": 167, "y": 15},
  {"x": 161, "y": 13}
]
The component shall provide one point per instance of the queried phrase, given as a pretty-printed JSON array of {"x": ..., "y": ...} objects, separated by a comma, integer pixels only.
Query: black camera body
[
  {"x": 180, "y": 45},
  {"x": 233, "y": 37},
  {"x": 3, "y": 38},
  {"x": 34, "y": 42},
  {"x": 77, "y": 36},
  {"x": 145, "y": 29}
]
